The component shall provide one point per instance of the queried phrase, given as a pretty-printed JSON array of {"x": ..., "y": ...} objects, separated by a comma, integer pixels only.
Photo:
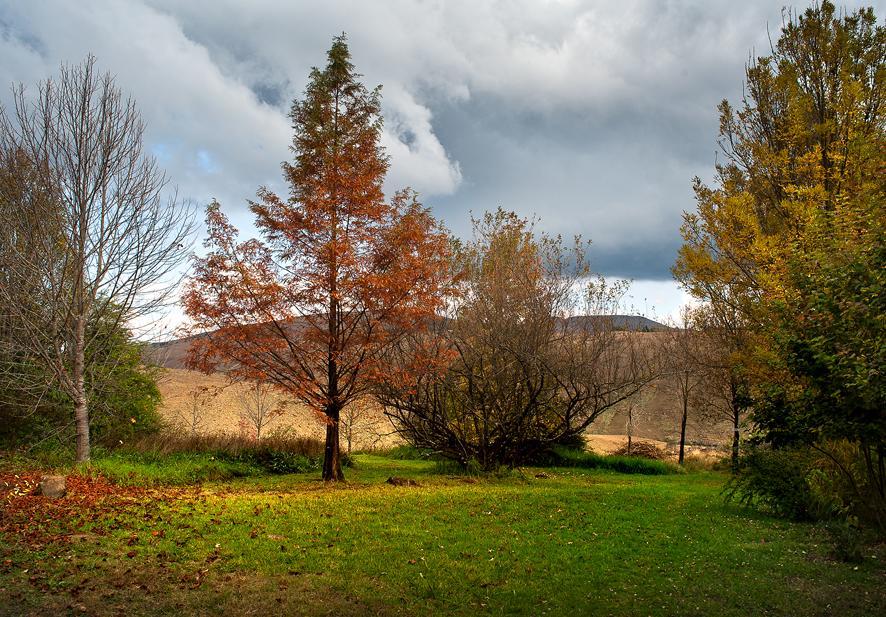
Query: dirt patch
[
  {"x": 609, "y": 444},
  {"x": 642, "y": 449},
  {"x": 116, "y": 590}
]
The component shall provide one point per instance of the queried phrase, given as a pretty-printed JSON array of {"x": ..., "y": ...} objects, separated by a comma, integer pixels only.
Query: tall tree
[
  {"x": 96, "y": 238},
  {"x": 799, "y": 199},
  {"x": 340, "y": 273}
]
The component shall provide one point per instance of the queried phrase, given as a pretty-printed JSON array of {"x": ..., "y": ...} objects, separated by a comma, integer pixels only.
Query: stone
[
  {"x": 53, "y": 486},
  {"x": 402, "y": 481}
]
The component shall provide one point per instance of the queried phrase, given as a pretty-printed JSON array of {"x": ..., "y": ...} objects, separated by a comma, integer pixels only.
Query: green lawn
[{"x": 579, "y": 542}]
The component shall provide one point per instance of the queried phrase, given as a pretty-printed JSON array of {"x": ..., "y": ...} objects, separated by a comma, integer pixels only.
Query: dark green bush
[
  {"x": 848, "y": 539},
  {"x": 122, "y": 392},
  {"x": 777, "y": 479},
  {"x": 559, "y": 456}
]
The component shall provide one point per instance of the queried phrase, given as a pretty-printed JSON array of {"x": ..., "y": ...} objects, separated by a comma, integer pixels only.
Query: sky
[{"x": 593, "y": 116}]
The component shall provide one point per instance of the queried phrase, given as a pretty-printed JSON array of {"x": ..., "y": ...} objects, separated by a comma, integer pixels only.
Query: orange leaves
[
  {"x": 339, "y": 275},
  {"x": 27, "y": 516}
]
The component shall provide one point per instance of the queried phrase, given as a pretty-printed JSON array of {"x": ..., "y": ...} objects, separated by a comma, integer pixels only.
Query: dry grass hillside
[{"x": 193, "y": 401}]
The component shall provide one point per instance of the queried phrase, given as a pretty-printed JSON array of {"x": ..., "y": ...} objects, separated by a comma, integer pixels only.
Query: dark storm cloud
[{"x": 593, "y": 115}]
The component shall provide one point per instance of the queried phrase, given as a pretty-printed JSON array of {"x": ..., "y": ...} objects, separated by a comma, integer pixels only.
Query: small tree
[
  {"x": 193, "y": 415},
  {"x": 97, "y": 239},
  {"x": 356, "y": 419},
  {"x": 341, "y": 274},
  {"x": 723, "y": 353},
  {"x": 259, "y": 406},
  {"x": 686, "y": 372}
]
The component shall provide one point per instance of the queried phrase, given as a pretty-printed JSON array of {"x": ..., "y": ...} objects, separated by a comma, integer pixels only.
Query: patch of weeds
[{"x": 848, "y": 538}]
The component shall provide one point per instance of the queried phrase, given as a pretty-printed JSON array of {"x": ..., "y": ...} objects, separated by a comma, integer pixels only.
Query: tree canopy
[{"x": 340, "y": 274}]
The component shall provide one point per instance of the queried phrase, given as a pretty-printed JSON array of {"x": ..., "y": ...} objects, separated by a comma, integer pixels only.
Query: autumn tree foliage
[
  {"x": 529, "y": 357},
  {"x": 789, "y": 240},
  {"x": 339, "y": 274}
]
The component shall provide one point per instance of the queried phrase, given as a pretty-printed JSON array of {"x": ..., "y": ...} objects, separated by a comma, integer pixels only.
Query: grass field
[{"x": 571, "y": 542}]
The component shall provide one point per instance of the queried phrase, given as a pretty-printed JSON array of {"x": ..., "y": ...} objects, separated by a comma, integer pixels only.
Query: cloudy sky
[{"x": 594, "y": 115}]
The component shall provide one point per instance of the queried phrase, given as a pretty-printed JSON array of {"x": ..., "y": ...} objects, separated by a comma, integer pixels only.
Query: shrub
[
  {"x": 278, "y": 454},
  {"x": 558, "y": 456},
  {"x": 777, "y": 479},
  {"x": 848, "y": 539},
  {"x": 827, "y": 481},
  {"x": 504, "y": 375},
  {"x": 122, "y": 391}
]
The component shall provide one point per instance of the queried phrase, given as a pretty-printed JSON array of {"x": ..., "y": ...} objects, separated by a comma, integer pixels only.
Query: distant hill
[
  {"x": 628, "y": 323},
  {"x": 169, "y": 354},
  {"x": 173, "y": 354}
]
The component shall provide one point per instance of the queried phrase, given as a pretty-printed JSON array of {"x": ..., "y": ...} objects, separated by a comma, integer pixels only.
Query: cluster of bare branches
[
  {"x": 260, "y": 403},
  {"x": 192, "y": 417},
  {"x": 91, "y": 232},
  {"x": 523, "y": 366},
  {"x": 700, "y": 364}
]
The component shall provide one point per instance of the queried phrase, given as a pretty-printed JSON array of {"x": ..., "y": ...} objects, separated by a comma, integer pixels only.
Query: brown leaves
[
  {"x": 36, "y": 519},
  {"x": 339, "y": 276}
]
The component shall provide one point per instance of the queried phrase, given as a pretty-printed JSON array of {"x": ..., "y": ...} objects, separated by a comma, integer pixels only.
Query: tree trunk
[
  {"x": 81, "y": 409},
  {"x": 683, "y": 430},
  {"x": 332, "y": 455},
  {"x": 735, "y": 440},
  {"x": 630, "y": 428}
]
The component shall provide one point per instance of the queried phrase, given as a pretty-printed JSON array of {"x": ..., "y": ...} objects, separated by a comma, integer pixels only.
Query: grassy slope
[{"x": 578, "y": 542}]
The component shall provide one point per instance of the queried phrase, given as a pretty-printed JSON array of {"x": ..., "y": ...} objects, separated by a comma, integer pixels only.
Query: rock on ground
[{"x": 53, "y": 486}]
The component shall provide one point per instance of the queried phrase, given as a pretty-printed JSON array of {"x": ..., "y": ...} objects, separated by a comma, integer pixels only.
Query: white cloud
[
  {"x": 593, "y": 114},
  {"x": 418, "y": 158}
]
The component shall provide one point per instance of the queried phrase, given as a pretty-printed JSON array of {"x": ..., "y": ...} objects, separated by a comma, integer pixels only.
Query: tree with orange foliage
[{"x": 339, "y": 275}]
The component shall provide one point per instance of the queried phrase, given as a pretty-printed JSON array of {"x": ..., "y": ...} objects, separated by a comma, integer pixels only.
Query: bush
[
  {"x": 122, "y": 391},
  {"x": 827, "y": 481},
  {"x": 848, "y": 539},
  {"x": 276, "y": 454},
  {"x": 777, "y": 479},
  {"x": 558, "y": 456}
]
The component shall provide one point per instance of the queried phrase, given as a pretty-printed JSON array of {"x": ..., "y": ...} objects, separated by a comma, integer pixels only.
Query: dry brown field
[{"x": 193, "y": 401}]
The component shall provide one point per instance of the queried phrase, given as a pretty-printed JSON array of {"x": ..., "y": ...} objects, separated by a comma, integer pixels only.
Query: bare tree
[
  {"x": 686, "y": 371},
  {"x": 103, "y": 239},
  {"x": 723, "y": 352},
  {"x": 520, "y": 364},
  {"x": 630, "y": 422},
  {"x": 259, "y": 405},
  {"x": 193, "y": 415},
  {"x": 358, "y": 419}
]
